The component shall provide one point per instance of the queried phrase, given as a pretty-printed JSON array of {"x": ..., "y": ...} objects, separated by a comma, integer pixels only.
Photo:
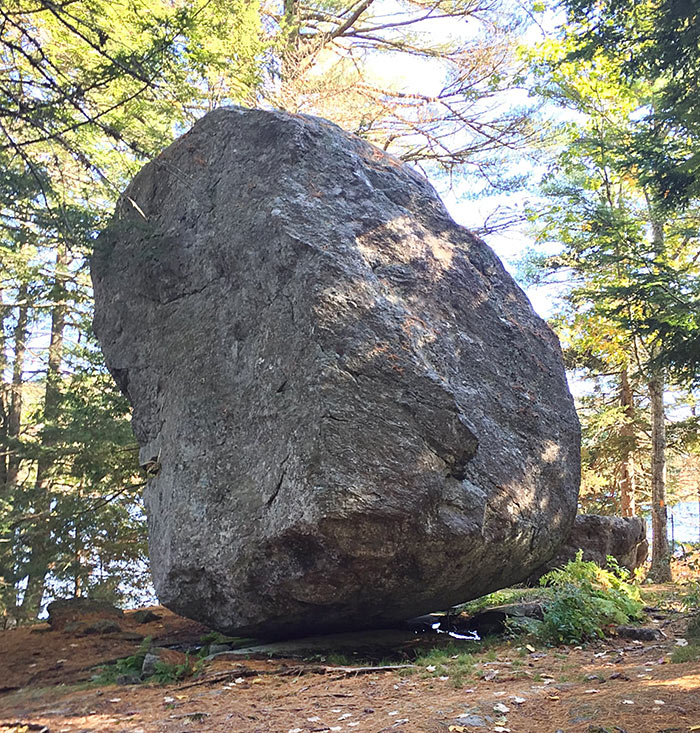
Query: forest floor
[{"x": 610, "y": 686}]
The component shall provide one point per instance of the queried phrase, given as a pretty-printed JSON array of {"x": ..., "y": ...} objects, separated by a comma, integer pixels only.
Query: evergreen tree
[
  {"x": 656, "y": 44},
  {"x": 353, "y": 63},
  {"x": 89, "y": 91},
  {"x": 624, "y": 252}
]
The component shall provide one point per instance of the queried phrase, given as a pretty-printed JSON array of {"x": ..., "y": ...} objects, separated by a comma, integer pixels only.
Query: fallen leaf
[
  {"x": 529, "y": 647},
  {"x": 552, "y": 697}
]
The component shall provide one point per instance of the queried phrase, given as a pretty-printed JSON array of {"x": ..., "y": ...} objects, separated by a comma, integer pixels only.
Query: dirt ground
[{"x": 612, "y": 686}]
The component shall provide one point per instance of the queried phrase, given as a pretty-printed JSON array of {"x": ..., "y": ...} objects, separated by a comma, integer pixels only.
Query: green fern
[{"x": 587, "y": 600}]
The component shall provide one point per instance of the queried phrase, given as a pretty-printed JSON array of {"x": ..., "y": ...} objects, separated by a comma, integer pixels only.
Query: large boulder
[
  {"x": 350, "y": 413},
  {"x": 599, "y": 537}
]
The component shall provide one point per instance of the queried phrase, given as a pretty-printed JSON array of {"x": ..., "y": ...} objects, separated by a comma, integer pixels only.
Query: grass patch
[
  {"x": 450, "y": 661},
  {"x": 690, "y": 653},
  {"x": 129, "y": 669},
  {"x": 504, "y": 597}
]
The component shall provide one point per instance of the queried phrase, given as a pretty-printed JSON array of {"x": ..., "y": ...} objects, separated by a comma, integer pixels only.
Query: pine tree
[
  {"x": 622, "y": 246},
  {"x": 90, "y": 91}
]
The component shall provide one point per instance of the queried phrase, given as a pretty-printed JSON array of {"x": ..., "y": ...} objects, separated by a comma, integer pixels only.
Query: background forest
[{"x": 581, "y": 120}]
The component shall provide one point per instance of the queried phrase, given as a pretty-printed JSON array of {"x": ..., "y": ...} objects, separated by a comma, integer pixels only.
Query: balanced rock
[{"x": 349, "y": 411}]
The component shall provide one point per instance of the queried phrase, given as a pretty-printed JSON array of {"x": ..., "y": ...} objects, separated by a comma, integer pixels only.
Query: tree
[
  {"x": 344, "y": 61},
  {"x": 656, "y": 42},
  {"x": 90, "y": 91},
  {"x": 623, "y": 250}
]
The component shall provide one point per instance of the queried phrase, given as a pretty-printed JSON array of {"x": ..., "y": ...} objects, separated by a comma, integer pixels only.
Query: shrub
[
  {"x": 693, "y": 631},
  {"x": 586, "y": 599}
]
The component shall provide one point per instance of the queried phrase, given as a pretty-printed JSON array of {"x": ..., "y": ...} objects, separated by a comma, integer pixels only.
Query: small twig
[
  {"x": 199, "y": 714},
  {"x": 222, "y": 677},
  {"x": 364, "y": 670},
  {"x": 298, "y": 670}
]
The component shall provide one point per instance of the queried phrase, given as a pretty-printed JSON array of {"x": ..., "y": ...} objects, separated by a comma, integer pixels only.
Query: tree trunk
[
  {"x": 4, "y": 402},
  {"x": 627, "y": 469},
  {"x": 12, "y": 399},
  {"x": 660, "y": 571},
  {"x": 660, "y": 552},
  {"x": 40, "y": 545},
  {"x": 14, "y": 419}
]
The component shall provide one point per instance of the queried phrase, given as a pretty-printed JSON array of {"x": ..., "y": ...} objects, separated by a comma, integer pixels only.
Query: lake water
[{"x": 683, "y": 522}]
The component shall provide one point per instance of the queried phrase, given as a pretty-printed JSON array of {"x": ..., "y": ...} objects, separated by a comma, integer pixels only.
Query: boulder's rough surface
[
  {"x": 624, "y": 538},
  {"x": 350, "y": 412}
]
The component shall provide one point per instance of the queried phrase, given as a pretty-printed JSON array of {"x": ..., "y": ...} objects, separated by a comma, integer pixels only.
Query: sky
[{"x": 418, "y": 74}]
